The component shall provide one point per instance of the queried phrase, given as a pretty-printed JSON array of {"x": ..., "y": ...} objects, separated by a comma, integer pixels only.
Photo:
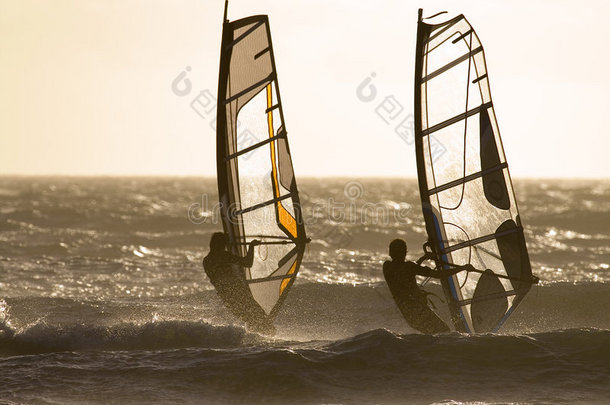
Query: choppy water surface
[{"x": 103, "y": 300}]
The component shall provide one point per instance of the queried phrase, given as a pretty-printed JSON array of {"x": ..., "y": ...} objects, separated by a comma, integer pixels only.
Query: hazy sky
[{"x": 86, "y": 85}]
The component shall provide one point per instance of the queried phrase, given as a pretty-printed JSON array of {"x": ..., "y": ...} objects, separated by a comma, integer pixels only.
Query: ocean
[{"x": 103, "y": 300}]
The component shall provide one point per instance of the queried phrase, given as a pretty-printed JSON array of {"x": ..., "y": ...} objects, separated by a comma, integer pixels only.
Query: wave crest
[{"x": 43, "y": 338}]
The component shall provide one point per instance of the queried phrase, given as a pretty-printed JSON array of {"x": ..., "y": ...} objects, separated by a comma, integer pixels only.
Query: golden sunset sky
[{"x": 86, "y": 85}]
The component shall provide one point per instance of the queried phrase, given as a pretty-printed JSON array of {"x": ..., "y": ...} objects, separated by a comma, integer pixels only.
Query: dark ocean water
[{"x": 103, "y": 300}]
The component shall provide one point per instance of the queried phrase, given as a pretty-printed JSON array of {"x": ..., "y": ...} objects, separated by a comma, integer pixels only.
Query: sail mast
[{"x": 422, "y": 35}]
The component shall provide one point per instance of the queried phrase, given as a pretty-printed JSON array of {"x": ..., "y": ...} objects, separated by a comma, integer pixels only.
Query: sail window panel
[
  {"x": 454, "y": 235},
  {"x": 441, "y": 35},
  {"x": 449, "y": 55},
  {"x": 466, "y": 206},
  {"x": 446, "y": 95},
  {"x": 451, "y": 94},
  {"x": 436, "y": 30},
  {"x": 259, "y": 222},
  {"x": 254, "y": 189},
  {"x": 255, "y": 166},
  {"x": 262, "y": 222},
  {"x": 482, "y": 256},
  {"x": 251, "y": 124},
  {"x": 460, "y": 158},
  {"x": 449, "y": 167},
  {"x": 451, "y": 64},
  {"x": 266, "y": 294},
  {"x": 486, "y": 256},
  {"x": 441, "y": 50},
  {"x": 442, "y": 57},
  {"x": 467, "y": 282}
]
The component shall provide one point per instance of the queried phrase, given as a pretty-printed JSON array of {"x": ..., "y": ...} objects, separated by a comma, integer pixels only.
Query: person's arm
[
  {"x": 443, "y": 273},
  {"x": 450, "y": 272},
  {"x": 426, "y": 271},
  {"x": 249, "y": 259}
]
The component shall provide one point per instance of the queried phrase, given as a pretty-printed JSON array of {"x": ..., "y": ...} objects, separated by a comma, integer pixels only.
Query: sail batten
[
  {"x": 468, "y": 178},
  {"x": 479, "y": 240},
  {"x": 456, "y": 119},
  {"x": 452, "y": 64},
  {"x": 467, "y": 196},
  {"x": 257, "y": 188}
]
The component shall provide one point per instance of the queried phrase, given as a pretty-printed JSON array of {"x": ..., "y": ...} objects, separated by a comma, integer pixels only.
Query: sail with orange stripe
[{"x": 257, "y": 188}]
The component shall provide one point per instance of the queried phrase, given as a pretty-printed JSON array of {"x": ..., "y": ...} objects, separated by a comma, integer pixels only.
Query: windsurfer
[
  {"x": 412, "y": 302},
  {"x": 224, "y": 270}
]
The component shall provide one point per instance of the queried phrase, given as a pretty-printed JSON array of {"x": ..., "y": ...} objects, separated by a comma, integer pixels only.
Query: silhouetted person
[
  {"x": 225, "y": 271},
  {"x": 412, "y": 302}
]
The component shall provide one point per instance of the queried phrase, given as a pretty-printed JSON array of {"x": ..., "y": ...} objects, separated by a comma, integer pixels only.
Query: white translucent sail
[{"x": 467, "y": 196}]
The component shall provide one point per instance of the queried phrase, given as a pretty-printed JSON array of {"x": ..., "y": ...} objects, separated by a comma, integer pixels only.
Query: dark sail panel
[
  {"x": 489, "y": 303},
  {"x": 467, "y": 196},
  {"x": 256, "y": 183},
  {"x": 493, "y": 180}
]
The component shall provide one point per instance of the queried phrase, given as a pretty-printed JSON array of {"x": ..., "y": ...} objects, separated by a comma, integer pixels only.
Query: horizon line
[{"x": 304, "y": 177}]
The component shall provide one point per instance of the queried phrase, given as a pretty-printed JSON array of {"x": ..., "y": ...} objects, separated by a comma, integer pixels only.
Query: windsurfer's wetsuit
[
  {"x": 412, "y": 301},
  {"x": 225, "y": 272}
]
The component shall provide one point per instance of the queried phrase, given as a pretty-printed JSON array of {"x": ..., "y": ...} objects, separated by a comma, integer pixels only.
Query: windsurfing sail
[
  {"x": 256, "y": 183},
  {"x": 467, "y": 196}
]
